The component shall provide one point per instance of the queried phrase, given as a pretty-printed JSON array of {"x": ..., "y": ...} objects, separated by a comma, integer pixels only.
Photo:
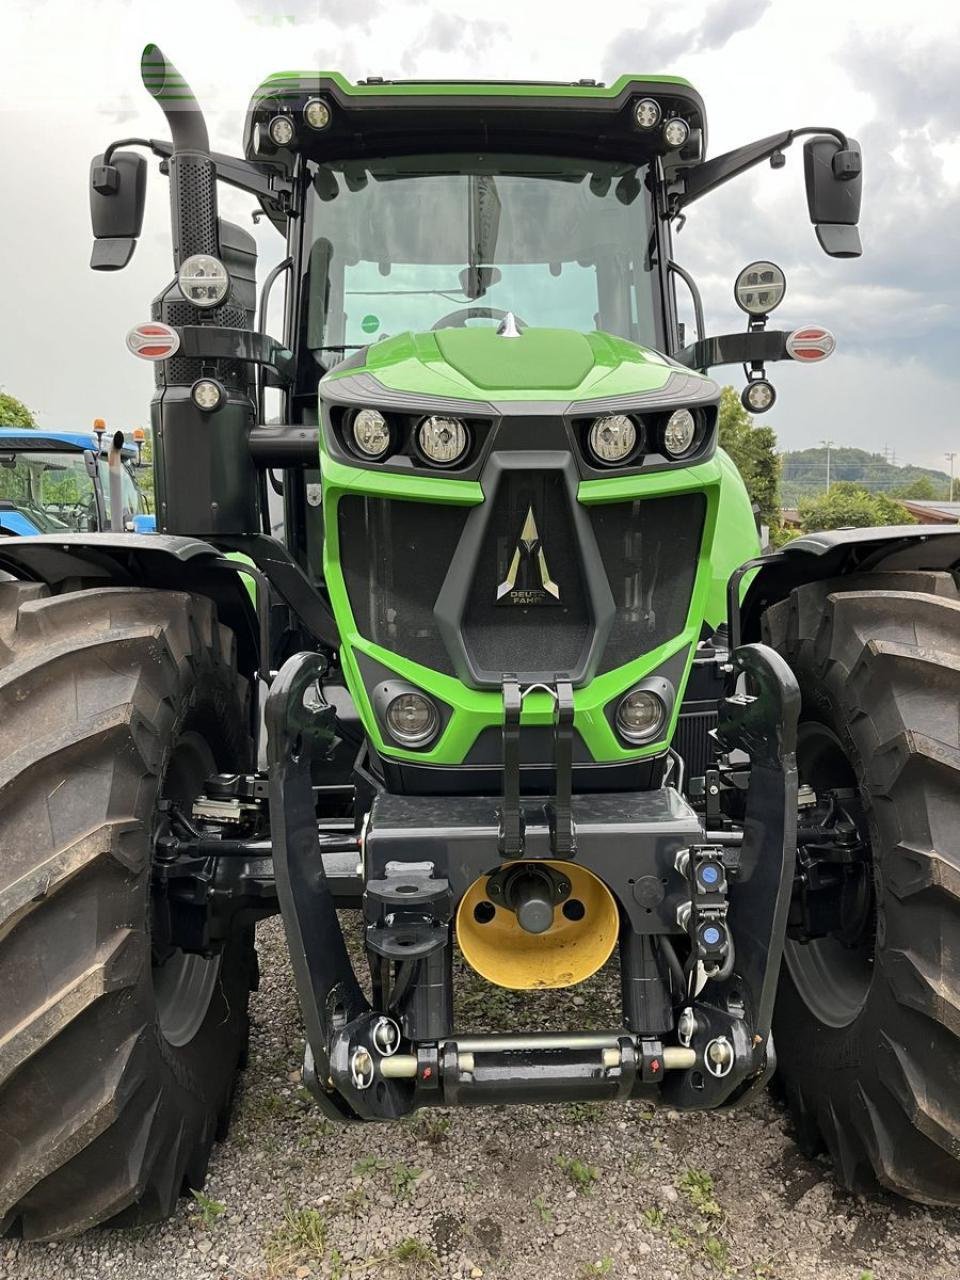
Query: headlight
[
  {"x": 647, "y": 113},
  {"x": 203, "y": 280},
  {"x": 679, "y": 433},
  {"x": 641, "y": 716},
  {"x": 612, "y": 438},
  {"x": 371, "y": 433},
  {"x": 442, "y": 440},
  {"x": 676, "y": 132},
  {"x": 316, "y": 113},
  {"x": 759, "y": 288},
  {"x": 281, "y": 130},
  {"x": 412, "y": 719}
]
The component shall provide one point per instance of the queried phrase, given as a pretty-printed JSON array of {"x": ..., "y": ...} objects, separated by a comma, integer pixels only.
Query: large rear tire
[
  {"x": 116, "y": 1069},
  {"x": 867, "y": 1030}
]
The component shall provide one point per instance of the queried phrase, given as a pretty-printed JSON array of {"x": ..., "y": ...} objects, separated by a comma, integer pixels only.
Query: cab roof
[
  {"x": 383, "y": 117},
  {"x": 36, "y": 440}
]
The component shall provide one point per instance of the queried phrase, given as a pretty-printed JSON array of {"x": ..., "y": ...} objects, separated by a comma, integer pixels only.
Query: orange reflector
[{"x": 138, "y": 433}]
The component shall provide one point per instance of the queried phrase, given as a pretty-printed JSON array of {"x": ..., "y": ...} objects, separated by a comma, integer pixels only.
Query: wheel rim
[
  {"x": 833, "y": 979},
  {"x": 183, "y": 984}
]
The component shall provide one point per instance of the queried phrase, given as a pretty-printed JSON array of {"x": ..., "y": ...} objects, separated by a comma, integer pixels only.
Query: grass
[
  {"x": 697, "y": 1186},
  {"x": 718, "y": 1252},
  {"x": 601, "y": 1268},
  {"x": 654, "y": 1217},
  {"x": 404, "y": 1178},
  {"x": 584, "y": 1112},
  {"x": 415, "y": 1255},
  {"x": 582, "y": 1175},
  {"x": 431, "y": 1126},
  {"x": 208, "y": 1210},
  {"x": 300, "y": 1238},
  {"x": 544, "y": 1212}
]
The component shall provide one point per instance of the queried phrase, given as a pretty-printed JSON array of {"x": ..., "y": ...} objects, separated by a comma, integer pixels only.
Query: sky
[{"x": 884, "y": 72}]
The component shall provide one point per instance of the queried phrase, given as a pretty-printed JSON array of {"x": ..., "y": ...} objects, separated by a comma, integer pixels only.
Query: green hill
[{"x": 805, "y": 474}]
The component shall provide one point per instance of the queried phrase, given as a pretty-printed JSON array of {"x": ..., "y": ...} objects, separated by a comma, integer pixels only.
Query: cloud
[
  {"x": 293, "y": 13},
  {"x": 448, "y": 33},
  {"x": 660, "y": 49}
]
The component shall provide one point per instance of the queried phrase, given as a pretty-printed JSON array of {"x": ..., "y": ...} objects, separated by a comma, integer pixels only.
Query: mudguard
[{"x": 837, "y": 552}]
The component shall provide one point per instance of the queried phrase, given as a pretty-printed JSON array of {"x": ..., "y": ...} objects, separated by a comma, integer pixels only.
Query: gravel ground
[{"x": 572, "y": 1191}]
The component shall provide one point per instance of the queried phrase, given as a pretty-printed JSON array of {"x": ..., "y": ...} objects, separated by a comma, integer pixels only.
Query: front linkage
[{"x": 696, "y": 1034}]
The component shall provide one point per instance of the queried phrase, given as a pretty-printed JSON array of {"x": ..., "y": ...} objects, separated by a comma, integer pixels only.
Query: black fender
[
  {"x": 835, "y": 553},
  {"x": 71, "y": 561}
]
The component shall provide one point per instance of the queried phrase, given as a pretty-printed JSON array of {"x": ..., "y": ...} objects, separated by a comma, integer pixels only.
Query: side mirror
[
  {"x": 834, "y": 179},
  {"x": 118, "y": 193}
]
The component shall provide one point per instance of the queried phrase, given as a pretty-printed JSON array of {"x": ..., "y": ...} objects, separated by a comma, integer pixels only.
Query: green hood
[{"x": 541, "y": 364}]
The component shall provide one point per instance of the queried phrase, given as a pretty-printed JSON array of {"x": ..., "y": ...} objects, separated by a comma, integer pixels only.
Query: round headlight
[
  {"x": 612, "y": 438},
  {"x": 679, "y": 433},
  {"x": 759, "y": 288},
  {"x": 647, "y": 113},
  {"x": 316, "y": 113},
  {"x": 412, "y": 719},
  {"x": 371, "y": 433},
  {"x": 758, "y": 396},
  {"x": 442, "y": 440},
  {"x": 281, "y": 130},
  {"x": 203, "y": 280},
  {"x": 207, "y": 394},
  {"x": 676, "y": 132},
  {"x": 640, "y": 716}
]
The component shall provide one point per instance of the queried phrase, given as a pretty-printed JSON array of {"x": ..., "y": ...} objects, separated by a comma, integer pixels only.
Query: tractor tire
[
  {"x": 116, "y": 1073},
  {"x": 867, "y": 1029}
]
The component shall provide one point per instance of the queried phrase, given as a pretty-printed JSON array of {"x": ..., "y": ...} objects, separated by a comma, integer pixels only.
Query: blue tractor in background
[{"x": 53, "y": 481}]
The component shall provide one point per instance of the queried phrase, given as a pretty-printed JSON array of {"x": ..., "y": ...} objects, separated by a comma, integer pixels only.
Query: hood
[{"x": 481, "y": 364}]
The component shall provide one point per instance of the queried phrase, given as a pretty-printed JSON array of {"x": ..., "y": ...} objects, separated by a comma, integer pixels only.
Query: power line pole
[
  {"x": 951, "y": 458},
  {"x": 828, "y": 445}
]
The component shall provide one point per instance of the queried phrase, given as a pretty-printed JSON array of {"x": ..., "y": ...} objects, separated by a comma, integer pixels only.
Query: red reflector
[
  {"x": 153, "y": 341},
  {"x": 811, "y": 343}
]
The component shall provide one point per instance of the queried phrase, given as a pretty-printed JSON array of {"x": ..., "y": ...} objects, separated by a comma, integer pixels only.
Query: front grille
[
  {"x": 550, "y": 633},
  {"x": 649, "y": 549},
  {"x": 395, "y": 556},
  {"x": 526, "y": 614}
]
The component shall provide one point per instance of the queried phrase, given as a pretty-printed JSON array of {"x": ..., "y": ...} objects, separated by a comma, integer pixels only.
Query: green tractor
[{"x": 514, "y": 684}]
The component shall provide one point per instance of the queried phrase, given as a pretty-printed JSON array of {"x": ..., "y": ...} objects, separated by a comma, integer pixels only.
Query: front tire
[
  {"x": 117, "y": 1064},
  {"x": 867, "y": 1029}
]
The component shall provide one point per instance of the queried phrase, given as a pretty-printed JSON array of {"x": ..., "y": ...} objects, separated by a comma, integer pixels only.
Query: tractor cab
[{"x": 59, "y": 481}]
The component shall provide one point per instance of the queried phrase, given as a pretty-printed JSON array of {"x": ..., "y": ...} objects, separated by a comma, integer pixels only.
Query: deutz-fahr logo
[{"x": 528, "y": 580}]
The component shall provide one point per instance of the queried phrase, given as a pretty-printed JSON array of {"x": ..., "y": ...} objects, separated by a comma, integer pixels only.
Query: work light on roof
[
  {"x": 281, "y": 131},
  {"x": 647, "y": 113},
  {"x": 676, "y": 132},
  {"x": 316, "y": 113}
]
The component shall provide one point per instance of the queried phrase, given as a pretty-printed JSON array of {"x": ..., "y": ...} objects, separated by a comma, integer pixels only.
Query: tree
[
  {"x": 923, "y": 489},
  {"x": 14, "y": 413},
  {"x": 753, "y": 451},
  {"x": 850, "y": 506}
]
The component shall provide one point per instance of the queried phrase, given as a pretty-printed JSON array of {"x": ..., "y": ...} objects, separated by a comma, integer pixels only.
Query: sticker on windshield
[{"x": 370, "y": 324}]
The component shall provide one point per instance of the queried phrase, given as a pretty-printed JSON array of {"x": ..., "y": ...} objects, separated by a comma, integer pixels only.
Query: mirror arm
[
  {"x": 753, "y": 346},
  {"x": 713, "y": 173}
]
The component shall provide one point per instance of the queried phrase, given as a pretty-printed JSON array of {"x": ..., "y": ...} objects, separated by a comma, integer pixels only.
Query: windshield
[
  {"x": 429, "y": 242},
  {"x": 53, "y": 491}
]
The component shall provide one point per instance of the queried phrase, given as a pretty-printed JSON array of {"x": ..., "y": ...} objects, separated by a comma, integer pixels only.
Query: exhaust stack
[{"x": 193, "y": 179}]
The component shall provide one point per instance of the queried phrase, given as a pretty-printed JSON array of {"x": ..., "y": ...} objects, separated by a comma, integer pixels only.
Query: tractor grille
[
  {"x": 551, "y": 633},
  {"x": 649, "y": 550},
  {"x": 396, "y": 555}
]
